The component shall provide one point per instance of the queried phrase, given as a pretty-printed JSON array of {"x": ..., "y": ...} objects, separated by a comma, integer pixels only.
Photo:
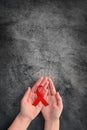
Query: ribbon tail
[
  {"x": 44, "y": 102},
  {"x": 36, "y": 101}
]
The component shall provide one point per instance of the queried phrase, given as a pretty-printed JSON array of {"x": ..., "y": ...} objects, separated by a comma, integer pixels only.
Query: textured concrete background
[{"x": 44, "y": 38}]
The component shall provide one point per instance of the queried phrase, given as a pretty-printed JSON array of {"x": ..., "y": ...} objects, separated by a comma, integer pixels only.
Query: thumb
[
  {"x": 59, "y": 100},
  {"x": 27, "y": 93}
]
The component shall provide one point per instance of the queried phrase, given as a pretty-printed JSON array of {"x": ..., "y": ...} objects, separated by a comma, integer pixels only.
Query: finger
[
  {"x": 59, "y": 100},
  {"x": 37, "y": 84},
  {"x": 46, "y": 94},
  {"x": 46, "y": 85},
  {"x": 27, "y": 93},
  {"x": 44, "y": 81},
  {"x": 51, "y": 86},
  {"x": 49, "y": 92}
]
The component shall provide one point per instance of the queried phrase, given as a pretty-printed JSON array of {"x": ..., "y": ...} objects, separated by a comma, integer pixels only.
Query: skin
[
  {"x": 28, "y": 112},
  {"x": 52, "y": 112}
]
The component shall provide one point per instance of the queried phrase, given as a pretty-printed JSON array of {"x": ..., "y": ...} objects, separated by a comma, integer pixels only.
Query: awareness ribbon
[{"x": 40, "y": 91}]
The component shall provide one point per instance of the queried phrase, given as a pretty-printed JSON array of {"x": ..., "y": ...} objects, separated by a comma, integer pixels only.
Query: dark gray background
[{"x": 44, "y": 38}]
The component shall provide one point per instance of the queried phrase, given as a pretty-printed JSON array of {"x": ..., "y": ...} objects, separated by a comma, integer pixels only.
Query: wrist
[
  {"x": 52, "y": 124},
  {"x": 20, "y": 123},
  {"x": 23, "y": 119},
  {"x": 52, "y": 121}
]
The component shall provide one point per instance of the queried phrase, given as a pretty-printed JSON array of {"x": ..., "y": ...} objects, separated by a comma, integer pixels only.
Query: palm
[
  {"x": 28, "y": 110},
  {"x": 33, "y": 111},
  {"x": 51, "y": 111}
]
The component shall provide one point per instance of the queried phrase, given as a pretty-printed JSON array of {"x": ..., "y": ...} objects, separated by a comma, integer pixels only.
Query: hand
[
  {"x": 28, "y": 110},
  {"x": 54, "y": 109}
]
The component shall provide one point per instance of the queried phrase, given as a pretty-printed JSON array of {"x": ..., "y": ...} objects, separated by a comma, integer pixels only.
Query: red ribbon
[{"x": 40, "y": 93}]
